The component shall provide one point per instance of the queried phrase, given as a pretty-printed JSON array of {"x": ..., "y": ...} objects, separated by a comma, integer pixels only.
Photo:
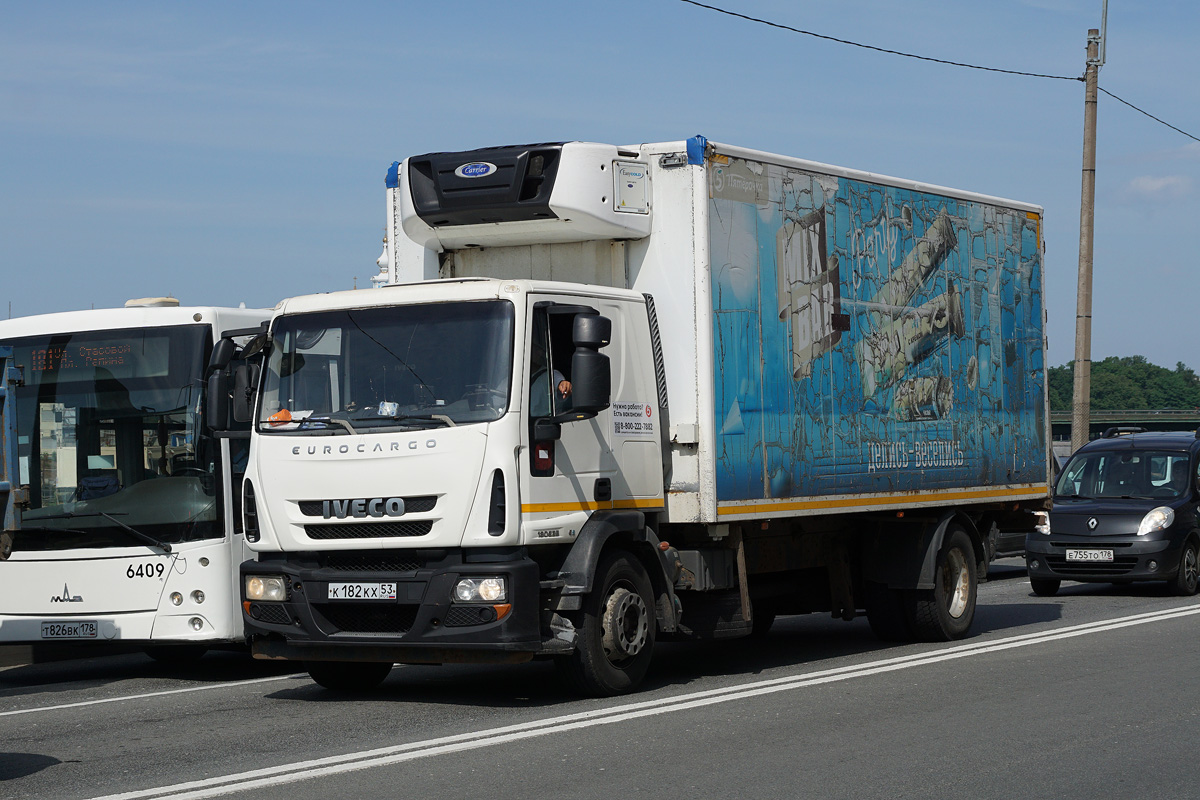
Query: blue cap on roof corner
[
  {"x": 695, "y": 149},
  {"x": 393, "y": 176}
]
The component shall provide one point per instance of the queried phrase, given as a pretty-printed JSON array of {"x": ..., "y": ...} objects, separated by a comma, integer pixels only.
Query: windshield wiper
[
  {"x": 442, "y": 418},
  {"x": 145, "y": 538},
  {"x": 325, "y": 421}
]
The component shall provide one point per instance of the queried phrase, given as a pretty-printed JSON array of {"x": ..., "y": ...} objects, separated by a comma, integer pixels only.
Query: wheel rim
[
  {"x": 626, "y": 624},
  {"x": 1191, "y": 568},
  {"x": 956, "y": 581}
]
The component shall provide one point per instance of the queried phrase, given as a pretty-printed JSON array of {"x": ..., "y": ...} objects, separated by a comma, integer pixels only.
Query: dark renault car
[{"x": 1125, "y": 509}]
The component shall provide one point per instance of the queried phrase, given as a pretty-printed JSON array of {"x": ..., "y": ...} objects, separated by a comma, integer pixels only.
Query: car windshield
[
  {"x": 426, "y": 365},
  {"x": 110, "y": 438},
  {"x": 1125, "y": 474}
]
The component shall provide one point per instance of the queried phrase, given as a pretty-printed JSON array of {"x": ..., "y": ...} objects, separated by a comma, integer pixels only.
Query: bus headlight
[
  {"x": 271, "y": 588},
  {"x": 481, "y": 590}
]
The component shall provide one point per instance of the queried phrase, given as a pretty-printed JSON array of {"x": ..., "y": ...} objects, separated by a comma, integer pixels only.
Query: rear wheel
[
  {"x": 1187, "y": 579},
  {"x": 616, "y": 629},
  {"x": 1045, "y": 587},
  {"x": 946, "y": 612},
  {"x": 348, "y": 676}
]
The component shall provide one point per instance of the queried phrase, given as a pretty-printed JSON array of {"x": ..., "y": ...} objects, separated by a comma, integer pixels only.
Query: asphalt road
[{"x": 1088, "y": 694}]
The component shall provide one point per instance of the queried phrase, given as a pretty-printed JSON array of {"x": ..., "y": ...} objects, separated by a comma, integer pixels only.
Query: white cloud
[{"x": 1167, "y": 187}]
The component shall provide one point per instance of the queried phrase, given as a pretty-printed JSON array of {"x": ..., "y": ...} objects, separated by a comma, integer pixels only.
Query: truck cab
[{"x": 419, "y": 449}]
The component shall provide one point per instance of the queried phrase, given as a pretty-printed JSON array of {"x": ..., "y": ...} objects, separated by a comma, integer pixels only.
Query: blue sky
[{"x": 225, "y": 152}]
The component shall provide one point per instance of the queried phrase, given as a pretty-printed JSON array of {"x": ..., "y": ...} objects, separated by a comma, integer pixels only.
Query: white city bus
[{"x": 130, "y": 520}]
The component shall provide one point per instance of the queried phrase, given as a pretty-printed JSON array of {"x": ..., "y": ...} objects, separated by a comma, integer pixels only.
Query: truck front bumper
[{"x": 424, "y": 624}]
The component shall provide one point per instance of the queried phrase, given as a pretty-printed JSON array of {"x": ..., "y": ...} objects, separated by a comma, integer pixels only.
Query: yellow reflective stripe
[
  {"x": 563, "y": 508},
  {"x": 1014, "y": 493}
]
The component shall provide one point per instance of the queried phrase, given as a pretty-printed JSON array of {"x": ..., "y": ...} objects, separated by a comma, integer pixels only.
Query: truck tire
[
  {"x": 885, "y": 612},
  {"x": 946, "y": 611},
  {"x": 616, "y": 630},
  {"x": 348, "y": 676}
]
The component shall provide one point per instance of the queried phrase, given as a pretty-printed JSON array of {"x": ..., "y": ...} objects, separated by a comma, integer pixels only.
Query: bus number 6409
[{"x": 144, "y": 571}]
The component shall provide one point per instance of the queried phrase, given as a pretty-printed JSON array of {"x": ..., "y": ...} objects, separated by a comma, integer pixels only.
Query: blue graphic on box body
[{"x": 869, "y": 338}]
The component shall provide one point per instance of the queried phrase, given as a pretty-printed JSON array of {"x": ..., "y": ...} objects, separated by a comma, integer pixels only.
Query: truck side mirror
[
  {"x": 245, "y": 381},
  {"x": 591, "y": 379},
  {"x": 217, "y": 409},
  {"x": 222, "y": 354}
]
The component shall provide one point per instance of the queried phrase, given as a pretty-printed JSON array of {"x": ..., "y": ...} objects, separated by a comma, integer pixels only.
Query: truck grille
[
  {"x": 270, "y": 613},
  {"x": 368, "y": 530},
  {"x": 369, "y": 617},
  {"x": 462, "y": 616},
  {"x": 412, "y": 505},
  {"x": 368, "y": 561}
]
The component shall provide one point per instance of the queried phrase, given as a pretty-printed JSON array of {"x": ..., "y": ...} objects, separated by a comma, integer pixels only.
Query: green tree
[{"x": 1129, "y": 382}]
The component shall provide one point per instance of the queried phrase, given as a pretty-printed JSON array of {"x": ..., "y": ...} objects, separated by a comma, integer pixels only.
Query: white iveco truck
[
  {"x": 126, "y": 525},
  {"x": 635, "y": 393}
]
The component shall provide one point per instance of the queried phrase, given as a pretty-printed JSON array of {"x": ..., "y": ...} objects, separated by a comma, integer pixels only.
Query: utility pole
[{"x": 1087, "y": 210}]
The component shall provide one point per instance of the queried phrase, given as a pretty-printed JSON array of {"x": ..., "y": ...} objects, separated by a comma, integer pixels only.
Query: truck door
[{"x": 594, "y": 464}]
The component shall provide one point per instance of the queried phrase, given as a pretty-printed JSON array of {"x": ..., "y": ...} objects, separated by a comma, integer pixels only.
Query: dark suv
[{"x": 1125, "y": 509}]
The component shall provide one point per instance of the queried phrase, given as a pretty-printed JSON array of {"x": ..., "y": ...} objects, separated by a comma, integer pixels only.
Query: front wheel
[
  {"x": 616, "y": 630},
  {"x": 946, "y": 612},
  {"x": 348, "y": 676},
  {"x": 1187, "y": 579},
  {"x": 1045, "y": 587}
]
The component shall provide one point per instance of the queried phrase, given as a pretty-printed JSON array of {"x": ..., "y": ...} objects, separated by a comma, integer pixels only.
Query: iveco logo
[
  {"x": 1092, "y": 523},
  {"x": 361, "y": 509},
  {"x": 66, "y": 597},
  {"x": 476, "y": 169}
]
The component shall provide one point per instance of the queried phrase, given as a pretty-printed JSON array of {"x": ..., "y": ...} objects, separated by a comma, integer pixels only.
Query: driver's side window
[{"x": 540, "y": 398}]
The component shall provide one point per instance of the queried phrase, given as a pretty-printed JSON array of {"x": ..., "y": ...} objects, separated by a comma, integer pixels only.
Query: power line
[
  {"x": 879, "y": 49},
  {"x": 928, "y": 58},
  {"x": 1147, "y": 113}
]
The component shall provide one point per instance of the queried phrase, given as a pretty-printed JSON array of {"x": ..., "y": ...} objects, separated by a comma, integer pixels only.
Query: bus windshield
[
  {"x": 407, "y": 366},
  {"x": 110, "y": 440}
]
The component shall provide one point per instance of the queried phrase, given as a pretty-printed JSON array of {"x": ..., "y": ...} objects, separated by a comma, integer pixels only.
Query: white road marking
[
  {"x": 163, "y": 693},
  {"x": 386, "y": 756}
]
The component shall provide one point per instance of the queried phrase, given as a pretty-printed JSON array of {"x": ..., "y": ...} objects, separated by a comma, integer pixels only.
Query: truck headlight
[
  {"x": 1156, "y": 520},
  {"x": 271, "y": 588},
  {"x": 1042, "y": 522},
  {"x": 481, "y": 590}
]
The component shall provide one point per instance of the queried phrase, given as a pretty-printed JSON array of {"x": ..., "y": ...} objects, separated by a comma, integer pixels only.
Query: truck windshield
[
  {"x": 109, "y": 438},
  {"x": 1140, "y": 474},
  {"x": 427, "y": 365}
]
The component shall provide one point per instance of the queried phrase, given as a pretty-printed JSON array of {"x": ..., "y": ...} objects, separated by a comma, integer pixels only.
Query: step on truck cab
[
  {"x": 625, "y": 394},
  {"x": 125, "y": 525}
]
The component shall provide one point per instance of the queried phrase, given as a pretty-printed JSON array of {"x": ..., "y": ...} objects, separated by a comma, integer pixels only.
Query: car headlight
[
  {"x": 1156, "y": 520},
  {"x": 1042, "y": 525},
  {"x": 481, "y": 590},
  {"x": 272, "y": 588}
]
